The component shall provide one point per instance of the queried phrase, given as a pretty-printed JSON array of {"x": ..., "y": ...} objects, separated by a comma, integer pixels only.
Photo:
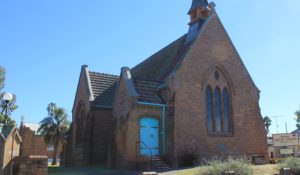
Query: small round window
[{"x": 217, "y": 75}]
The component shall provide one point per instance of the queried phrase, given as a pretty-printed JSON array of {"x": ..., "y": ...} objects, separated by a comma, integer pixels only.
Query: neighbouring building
[
  {"x": 297, "y": 131},
  {"x": 10, "y": 141},
  {"x": 34, "y": 144},
  {"x": 283, "y": 145},
  {"x": 195, "y": 96}
]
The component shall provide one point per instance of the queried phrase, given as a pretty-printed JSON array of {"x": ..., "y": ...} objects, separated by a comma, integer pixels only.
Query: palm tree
[
  {"x": 267, "y": 122},
  {"x": 297, "y": 113},
  {"x": 54, "y": 128}
]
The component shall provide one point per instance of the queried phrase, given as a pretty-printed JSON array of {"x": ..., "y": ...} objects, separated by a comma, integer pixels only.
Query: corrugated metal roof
[{"x": 32, "y": 126}]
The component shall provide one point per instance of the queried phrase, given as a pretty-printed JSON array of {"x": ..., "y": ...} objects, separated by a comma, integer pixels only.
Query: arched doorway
[{"x": 149, "y": 136}]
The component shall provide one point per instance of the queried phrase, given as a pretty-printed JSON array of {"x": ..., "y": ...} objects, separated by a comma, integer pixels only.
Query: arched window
[
  {"x": 218, "y": 104},
  {"x": 209, "y": 108},
  {"x": 80, "y": 116},
  {"x": 217, "y": 107},
  {"x": 226, "y": 111}
]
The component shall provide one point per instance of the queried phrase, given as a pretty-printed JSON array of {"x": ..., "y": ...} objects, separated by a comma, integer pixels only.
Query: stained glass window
[
  {"x": 209, "y": 108},
  {"x": 217, "y": 112},
  {"x": 226, "y": 111}
]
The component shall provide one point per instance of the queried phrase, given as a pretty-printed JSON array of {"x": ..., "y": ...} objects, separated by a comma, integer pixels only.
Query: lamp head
[{"x": 7, "y": 97}]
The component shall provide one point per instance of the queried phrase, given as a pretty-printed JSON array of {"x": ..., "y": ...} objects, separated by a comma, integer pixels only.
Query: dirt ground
[{"x": 258, "y": 170}]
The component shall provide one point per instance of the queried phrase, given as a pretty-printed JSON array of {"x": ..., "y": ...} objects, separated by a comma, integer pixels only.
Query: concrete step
[{"x": 159, "y": 164}]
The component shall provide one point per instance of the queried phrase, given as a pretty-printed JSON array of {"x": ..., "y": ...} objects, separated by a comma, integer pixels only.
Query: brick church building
[{"x": 195, "y": 95}]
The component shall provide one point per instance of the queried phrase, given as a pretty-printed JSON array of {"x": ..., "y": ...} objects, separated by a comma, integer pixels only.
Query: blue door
[{"x": 149, "y": 136}]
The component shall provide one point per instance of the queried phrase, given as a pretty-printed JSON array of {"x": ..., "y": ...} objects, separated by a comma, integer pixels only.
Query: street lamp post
[{"x": 7, "y": 98}]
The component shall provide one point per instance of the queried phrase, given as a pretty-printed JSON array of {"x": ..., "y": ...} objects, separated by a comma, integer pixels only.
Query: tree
[
  {"x": 6, "y": 107},
  {"x": 267, "y": 122},
  {"x": 54, "y": 128},
  {"x": 2, "y": 77},
  {"x": 297, "y": 113}
]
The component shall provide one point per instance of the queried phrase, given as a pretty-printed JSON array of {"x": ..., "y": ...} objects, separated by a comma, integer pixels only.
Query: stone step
[
  {"x": 149, "y": 173},
  {"x": 159, "y": 164}
]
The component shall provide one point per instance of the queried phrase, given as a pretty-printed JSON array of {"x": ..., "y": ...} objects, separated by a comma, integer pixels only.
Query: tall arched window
[
  {"x": 226, "y": 111},
  {"x": 218, "y": 106},
  {"x": 209, "y": 108},
  {"x": 80, "y": 116}
]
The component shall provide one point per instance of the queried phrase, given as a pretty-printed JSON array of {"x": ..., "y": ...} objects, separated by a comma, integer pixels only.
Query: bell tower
[{"x": 199, "y": 10}]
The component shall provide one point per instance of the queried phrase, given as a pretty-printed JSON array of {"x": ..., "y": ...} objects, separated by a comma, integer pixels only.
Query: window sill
[{"x": 220, "y": 134}]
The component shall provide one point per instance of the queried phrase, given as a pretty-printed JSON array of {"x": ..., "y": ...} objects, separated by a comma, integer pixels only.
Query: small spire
[
  {"x": 198, "y": 4},
  {"x": 22, "y": 121}
]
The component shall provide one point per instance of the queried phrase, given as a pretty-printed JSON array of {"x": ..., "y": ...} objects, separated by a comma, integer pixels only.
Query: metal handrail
[{"x": 138, "y": 144}]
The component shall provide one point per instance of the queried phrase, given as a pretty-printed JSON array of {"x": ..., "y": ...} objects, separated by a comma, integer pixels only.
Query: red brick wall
[
  {"x": 101, "y": 125},
  {"x": 33, "y": 165},
  {"x": 97, "y": 123},
  {"x": 34, "y": 144},
  {"x": 10, "y": 143},
  {"x": 80, "y": 152},
  {"x": 214, "y": 49},
  {"x": 186, "y": 127}
]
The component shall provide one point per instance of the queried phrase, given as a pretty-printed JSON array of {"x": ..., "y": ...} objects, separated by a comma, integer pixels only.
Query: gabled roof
[
  {"x": 148, "y": 91},
  {"x": 158, "y": 66},
  {"x": 297, "y": 131},
  {"x": 5, "y": 130},
  {"x": 104, "y": 87}
]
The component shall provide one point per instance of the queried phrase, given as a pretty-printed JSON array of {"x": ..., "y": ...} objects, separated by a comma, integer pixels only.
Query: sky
[{"x": 43, "y": 45}]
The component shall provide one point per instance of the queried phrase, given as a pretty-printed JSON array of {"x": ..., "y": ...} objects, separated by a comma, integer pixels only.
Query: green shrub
[
  {"x": 291, "y": 162},
  {"x": 218, "y": 167}
]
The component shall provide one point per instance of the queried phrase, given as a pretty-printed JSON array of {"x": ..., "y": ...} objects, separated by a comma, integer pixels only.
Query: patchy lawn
[{"x": 258, "y": 170}]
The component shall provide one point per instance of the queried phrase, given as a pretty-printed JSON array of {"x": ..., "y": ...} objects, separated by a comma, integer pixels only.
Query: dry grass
[
  {"x": 257, "y": 169},
  {"x": 265, "y": 169}
]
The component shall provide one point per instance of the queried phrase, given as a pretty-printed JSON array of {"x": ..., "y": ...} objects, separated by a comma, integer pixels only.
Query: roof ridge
[
  {"x": 100, "y": 73},
  {"x": 140, "y": 79},
  {"x": 31, "y": 123}
]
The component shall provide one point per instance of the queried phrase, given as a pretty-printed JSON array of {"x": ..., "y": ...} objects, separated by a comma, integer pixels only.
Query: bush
[
  {"x": 291, "y": 162},
  {"x": 218, "y": 167},
  {"x": 188, "y": 158}
]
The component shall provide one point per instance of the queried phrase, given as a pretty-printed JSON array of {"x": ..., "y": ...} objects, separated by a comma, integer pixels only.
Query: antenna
[{"x": 277, "y": 126}]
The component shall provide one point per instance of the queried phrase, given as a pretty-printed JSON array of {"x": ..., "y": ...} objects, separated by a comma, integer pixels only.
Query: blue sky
[{"x": 44, "y": 43}]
